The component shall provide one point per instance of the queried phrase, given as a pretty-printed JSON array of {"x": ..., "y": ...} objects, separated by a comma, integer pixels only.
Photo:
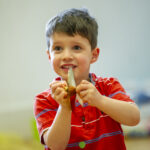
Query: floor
[
  {"x": 138, "y": 144},
  {"x": 15, "y": 143}
]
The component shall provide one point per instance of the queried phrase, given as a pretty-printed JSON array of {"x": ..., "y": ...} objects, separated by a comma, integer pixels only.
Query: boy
[{"x": 62, "y": 122}]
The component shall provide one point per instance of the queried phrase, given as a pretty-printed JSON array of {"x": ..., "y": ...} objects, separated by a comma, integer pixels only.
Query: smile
[{"x": 67, "y": 66}]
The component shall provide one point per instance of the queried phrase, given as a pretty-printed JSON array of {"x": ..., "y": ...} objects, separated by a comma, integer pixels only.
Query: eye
[
  {"x": 76, "y": 47},
  {"x": 57, "y": 48}
]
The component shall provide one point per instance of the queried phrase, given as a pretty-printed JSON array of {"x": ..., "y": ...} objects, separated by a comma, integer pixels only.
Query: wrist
[
  {"x": 101, "y": 102},
  {"x": 64, "y": 109}
]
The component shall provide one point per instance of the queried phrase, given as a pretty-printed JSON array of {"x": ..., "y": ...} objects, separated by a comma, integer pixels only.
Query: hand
[
  {"x": 88, "y": 93},
  {"x": 59, "y": 93}
]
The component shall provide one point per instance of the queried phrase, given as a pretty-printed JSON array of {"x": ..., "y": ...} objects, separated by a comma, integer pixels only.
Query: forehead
[{"x": 65, "y": 38}]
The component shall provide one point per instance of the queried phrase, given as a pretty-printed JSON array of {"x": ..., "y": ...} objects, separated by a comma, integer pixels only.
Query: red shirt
[{"x": 90, "y": 127}]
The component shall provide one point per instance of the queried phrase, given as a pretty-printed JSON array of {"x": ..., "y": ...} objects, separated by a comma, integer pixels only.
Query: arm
[
  {"x": 121, "y": 111},
  {"x": 57, "y": 136}
]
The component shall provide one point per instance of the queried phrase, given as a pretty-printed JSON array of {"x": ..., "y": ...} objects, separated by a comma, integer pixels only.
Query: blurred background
[{"x": 124, "y": 38}]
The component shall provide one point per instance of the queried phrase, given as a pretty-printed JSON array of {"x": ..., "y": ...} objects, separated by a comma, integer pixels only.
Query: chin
[{"x": 64, "y": 77}]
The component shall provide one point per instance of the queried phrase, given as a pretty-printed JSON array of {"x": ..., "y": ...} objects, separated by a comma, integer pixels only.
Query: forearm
[
  {"x": 121, "y": 111},
  {"x": 58, "y": 134}
]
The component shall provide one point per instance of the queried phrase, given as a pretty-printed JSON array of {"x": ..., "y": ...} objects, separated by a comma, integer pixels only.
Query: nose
[{"x": 67, "y": 54}]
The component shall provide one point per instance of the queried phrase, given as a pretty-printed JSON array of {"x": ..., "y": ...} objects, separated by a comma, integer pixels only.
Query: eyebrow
[
  {"x": 72, "y": 42},
  {"x": 77, "y": 43},
  {"x": 55, "y": 43}
]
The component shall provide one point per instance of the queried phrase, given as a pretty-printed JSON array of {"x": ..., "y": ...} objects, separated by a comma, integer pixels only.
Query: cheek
[
  {"x": 84, "y": 61},
  {"x": 54, "y": 62}
]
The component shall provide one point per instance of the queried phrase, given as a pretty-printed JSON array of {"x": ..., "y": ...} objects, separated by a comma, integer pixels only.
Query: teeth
[{"x": 67, "y": 67}]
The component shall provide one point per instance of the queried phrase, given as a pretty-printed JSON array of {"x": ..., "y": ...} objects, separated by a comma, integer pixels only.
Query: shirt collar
[{"x": 93, "y": 78}]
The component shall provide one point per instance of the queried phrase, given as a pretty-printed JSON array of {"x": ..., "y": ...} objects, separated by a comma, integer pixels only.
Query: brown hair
[{"x": 73, "y": 21}]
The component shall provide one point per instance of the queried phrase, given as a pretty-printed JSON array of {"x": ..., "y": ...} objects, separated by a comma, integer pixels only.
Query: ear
[
  {"x": 95, "y": 54},
  {"x": 49, "y": 57}
]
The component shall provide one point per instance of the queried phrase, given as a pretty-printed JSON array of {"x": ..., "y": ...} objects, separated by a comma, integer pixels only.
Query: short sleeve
[
  {"x": 45, "y": 109},
  {"x": 115, "y": 90}
]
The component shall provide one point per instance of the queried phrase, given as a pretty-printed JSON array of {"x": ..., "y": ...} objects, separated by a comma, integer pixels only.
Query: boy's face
[{"x": 71, "y": 51}]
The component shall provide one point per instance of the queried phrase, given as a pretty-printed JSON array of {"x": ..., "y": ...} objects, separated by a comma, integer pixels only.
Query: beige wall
[{"x": 124, "y": 42}]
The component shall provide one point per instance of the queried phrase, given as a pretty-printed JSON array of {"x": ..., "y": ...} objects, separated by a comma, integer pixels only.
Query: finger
[
  {"x": 64, "y": 82},
  {"x": 81, "y": 87},
  {"x": 57, "y": 84},
  {"x": 58, "y": 90},
  {"x": 53, "y": 83},
  {"x": 84, "y": 82},
  {"x": 56, "y": 93},
  {"x": 54, "y": 87},
  {"x": 61, "y": 96},
  {"x": 82, "y": 94}
]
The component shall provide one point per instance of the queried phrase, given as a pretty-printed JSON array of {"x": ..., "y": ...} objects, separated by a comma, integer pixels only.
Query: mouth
[{"x": 67, "y": 66}]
